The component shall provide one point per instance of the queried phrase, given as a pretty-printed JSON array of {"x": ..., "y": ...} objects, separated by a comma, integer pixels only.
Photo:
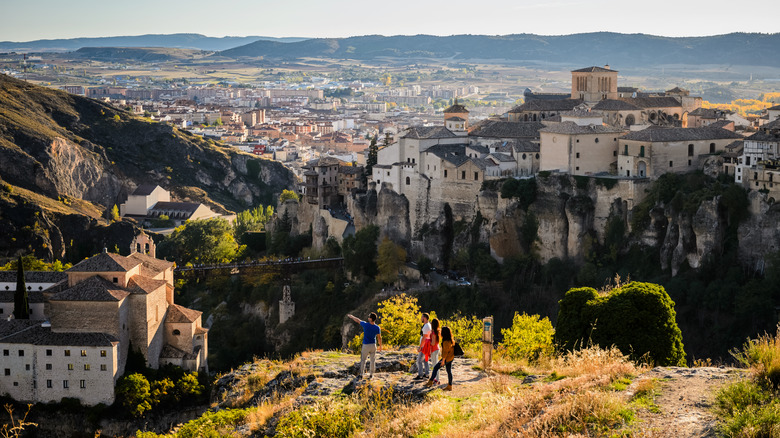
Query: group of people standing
[{"x": 436, "y": 347}]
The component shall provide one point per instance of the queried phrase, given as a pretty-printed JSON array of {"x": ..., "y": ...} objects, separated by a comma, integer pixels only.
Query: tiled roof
[
  {"x": 350, "y": 170},
  {"x": 482, "y": 163},
  {"x": 479, "y": 148},
  {"x": 579, "y": 112},
  {"x": 547, "y": 105},
  {"x": 519, "y": 146},
  {"x": 444, "y": 150},
  {"x": 774, "y": 108},
  {"x": 653, "y": 102},
  {"x": 177, "y": 313},
  {"x": 457, "y": 160},
  {"x": 627, "y": 89},
  {"x": 766, "y": 136},
  {"x": 153, "y": 263},
  {"x": 615, "y": 105},
  {"x": 105, "y": 262},
  {"x": 455, "y": 119},
  {"x": 573, "y": 128},
  {"x": 775, "y": 124},
  {"x": 654, "y": 134},
  {"x": 33, "y": 276},
  {"x": 456, "y": 108},
  {"x": 500, "y": 129},
  {"x": 188, "y": 207},
  {"x": 171, "y": 352},
  {"x": 593, "y": 69},
  {"x": 720, "y": 124},
  {"x": 32, "y": 332},
  {"x": 423, "y": 132},
  {"x": 144, "y": 190},
  {"x": 708, "y": 113},
  {"x": 92, "y": 289},
  {"x": 677, "y": 90},
  {"x": 144, "y": 285},
  {"x": 33, "y": 296},
  {"x": 499, "y": 156}
]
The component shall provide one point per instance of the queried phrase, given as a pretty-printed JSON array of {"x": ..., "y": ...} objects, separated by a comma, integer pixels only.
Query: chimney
[
  {"x": 105, "y": 250},
  {"x": 607, "y": 67}
]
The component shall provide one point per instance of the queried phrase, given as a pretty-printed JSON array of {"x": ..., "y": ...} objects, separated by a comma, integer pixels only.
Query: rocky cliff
[
  {"x": 63, "y": 146},
  {"x": 569, "y": 215}
]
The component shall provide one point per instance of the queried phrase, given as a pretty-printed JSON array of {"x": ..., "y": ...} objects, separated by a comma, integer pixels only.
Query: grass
[
  {"x": 644, "y": 396},
  {"x": 750, "y": 408}
]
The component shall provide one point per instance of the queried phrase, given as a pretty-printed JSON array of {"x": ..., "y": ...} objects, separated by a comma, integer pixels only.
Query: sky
[{"x": 26, "y": 20}]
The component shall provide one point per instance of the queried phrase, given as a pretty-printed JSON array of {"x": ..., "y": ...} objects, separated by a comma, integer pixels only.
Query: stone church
[{"x": 107, "y": 303}]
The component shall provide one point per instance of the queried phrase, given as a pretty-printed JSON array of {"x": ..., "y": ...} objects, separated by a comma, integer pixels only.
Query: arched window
[
  {"x": 408, "y": 181},
  {"x": 630, "y": 120},
  {"x": 524, "y": 156},
  {"x": 176, "y": 332}
]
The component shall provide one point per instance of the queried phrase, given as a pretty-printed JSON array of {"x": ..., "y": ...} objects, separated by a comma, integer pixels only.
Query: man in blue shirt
[{"x": 371, "y": 339}]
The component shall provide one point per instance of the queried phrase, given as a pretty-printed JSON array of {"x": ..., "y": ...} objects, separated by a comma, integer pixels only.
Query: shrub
[
  {"x": 134, "y": 393},
  {"x": 638, "y": 318},
  {"x": 762, "y": 355},
  {"x": 467, "y": 331},
  {"x": 331, "y": 420},
  {"x": 400, "y": 320},
  {"x": 529, "y": 337}
]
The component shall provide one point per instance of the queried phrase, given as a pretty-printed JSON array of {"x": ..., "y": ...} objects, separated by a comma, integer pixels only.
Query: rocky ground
[{"x": 683, "y": 397}]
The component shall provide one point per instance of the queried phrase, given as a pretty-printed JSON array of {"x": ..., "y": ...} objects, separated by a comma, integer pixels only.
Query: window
[
  {"x": 670, "y": 164},
  {"x": 116, "y": 280},
  {"x": 6, "y": 353},
  {"x": 48, "y": 366},
  {"x": 70, "y": 366},
  {"x": 476, "y": 176},
  {"x": 82, "y": 384},
  {"x": 65, "y": 384},
  {"x": 755, "y": 175},
  {"x": 578, "y": 154},
  {"x": 641, "y": 151},
  {"x": 83, "y": 353},
  {"x": 625, "y": 150},
  {"x": 596, "y": 140},
  {"x": 524, "y": 156},
  {"x": 445, "y": 173},
  {"x": 102, "y": 353},
  {"x": 462, "y": 174},
  {"x": 177, "y": 332},
  {"x": 577, "y": 168},
  {"x": 7, "y": 371},
  {"x": 67, "y": 352},
  {"x": 48, "y": 383},
  {"x": 103, "y": 367},
  {"x": 27, "y": 367},
  {"x": 408, "y": 181},
  {"x": 86, "y": 367},
  {"x": 21, "y": 353},
  {"x": 537, "y": 156},
  {"x": 614, "y": 153},
  {"x": 690, "y": 150}
]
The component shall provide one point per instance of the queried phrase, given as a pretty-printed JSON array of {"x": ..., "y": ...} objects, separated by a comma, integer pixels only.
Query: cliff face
[
  {"x": 64, "y": 146},
  {"x": 571, "y": 213}
]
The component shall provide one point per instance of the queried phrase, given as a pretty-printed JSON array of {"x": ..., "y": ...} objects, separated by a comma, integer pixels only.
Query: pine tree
[
  {"x": 21, "y": 301},
  {"x": 372, "y": 156}
]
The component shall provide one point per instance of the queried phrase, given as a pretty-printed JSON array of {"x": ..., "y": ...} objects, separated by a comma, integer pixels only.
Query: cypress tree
[{"x": 21, "y": 301}]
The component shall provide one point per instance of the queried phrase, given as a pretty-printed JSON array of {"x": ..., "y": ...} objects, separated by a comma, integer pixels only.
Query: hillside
[
  {"x": 66, "y": 148},
  {"x": 179, "y": 40},
  {"x": 626, "y": 50},
  {"x": 139, "y": 54}
]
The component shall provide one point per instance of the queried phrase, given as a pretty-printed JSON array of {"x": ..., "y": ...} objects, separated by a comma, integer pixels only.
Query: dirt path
[{"x": 685, "y": 397}]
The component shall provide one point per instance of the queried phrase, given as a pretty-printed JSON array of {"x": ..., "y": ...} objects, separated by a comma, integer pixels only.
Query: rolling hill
[
  {"x": 84, "y": 156},
  {"x": 626, "y": 50}
]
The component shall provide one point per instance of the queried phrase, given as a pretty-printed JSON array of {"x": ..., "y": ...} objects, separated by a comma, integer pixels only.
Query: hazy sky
[{"x": 24, "y": 20}]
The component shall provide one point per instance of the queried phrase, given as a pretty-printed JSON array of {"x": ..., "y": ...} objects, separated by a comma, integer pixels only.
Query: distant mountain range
[
  {"x": 623, "y": 50},
  {"x": 177, "y": 40}
]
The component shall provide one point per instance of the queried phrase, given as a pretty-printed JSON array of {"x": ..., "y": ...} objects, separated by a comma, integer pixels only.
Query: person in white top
[{"x": 422, "y": 363}]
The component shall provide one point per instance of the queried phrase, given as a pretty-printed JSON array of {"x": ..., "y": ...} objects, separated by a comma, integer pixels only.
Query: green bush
[
  {"x": 134, "y": 393},
  {"x": 466, "y": 330},
  {"x": 209, "y": 425},
  {"x": 326, "y": 420},
  {"x": 530, "y": 337},
  {"x": 638, "y": 318},
  {"x": 399, "y": 318}
]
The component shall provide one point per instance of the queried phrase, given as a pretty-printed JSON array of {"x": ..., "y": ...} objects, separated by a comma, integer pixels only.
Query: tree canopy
[{"x": 201, "y": 241}]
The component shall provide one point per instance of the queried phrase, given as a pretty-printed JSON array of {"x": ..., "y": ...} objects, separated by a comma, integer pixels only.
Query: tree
[
  {"x": 287, "y": 194},
  {"x": 114, "y": 213},
  {"x": 530, "y": 337},
  {"x": 251, "y": 220},
  {"x": 360, "y": 251},
  {"x": 371, "y": 160},
  {"x": 135, "y": 393},
  {"x": 400, "y": 320},
  {"x": 424, "y": 265},
  {"x": 390, "y": 258},
  {"x": 201, "y": 241},
  {"x": 637, "y": 318},
  {"x": 21, "y": 300}
]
